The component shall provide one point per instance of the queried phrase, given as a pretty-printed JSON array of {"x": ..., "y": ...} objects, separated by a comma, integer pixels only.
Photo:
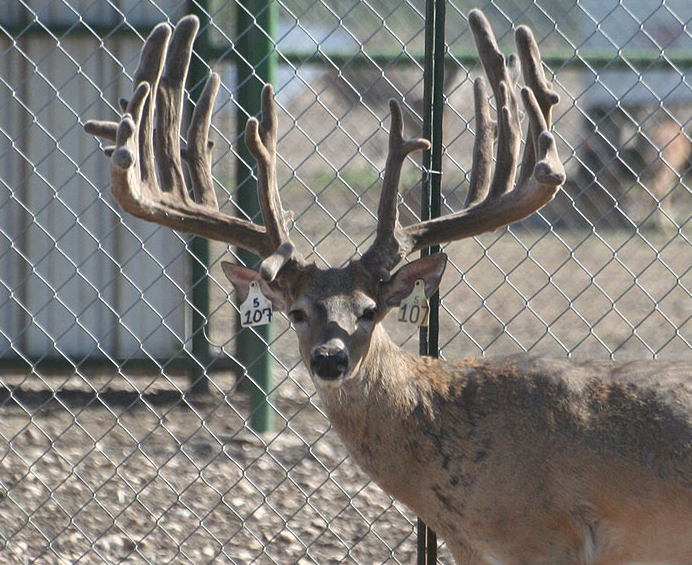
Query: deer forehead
[{"x": 343, "y": 289}]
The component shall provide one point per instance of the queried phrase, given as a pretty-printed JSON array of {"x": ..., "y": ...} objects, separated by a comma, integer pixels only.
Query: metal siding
[{"x": 94, "y": 289}]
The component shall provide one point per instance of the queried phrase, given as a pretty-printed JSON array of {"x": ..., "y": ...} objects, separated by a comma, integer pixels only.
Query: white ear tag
[
  {"x": 256, "y": 310},
  {"x": 414, "y": 308}
]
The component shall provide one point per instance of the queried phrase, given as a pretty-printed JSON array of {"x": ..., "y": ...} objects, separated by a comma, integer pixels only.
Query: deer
[{"x": 514, "y": 460}]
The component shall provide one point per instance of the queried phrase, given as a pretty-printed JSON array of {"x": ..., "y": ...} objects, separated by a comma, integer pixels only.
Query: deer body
[
  {"x": 514, "y": 461},
  {"x": 490, "y": 452}
]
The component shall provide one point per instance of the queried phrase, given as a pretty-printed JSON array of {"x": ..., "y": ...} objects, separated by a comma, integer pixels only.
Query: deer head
[{"x": 335, "y": 311}]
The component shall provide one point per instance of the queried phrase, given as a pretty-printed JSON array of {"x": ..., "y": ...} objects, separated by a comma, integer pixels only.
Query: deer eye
[
  {"x": 368, "y": 314},
  {"x": 297, "y": 316}
]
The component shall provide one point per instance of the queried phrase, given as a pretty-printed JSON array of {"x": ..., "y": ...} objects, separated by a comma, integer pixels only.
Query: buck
[{"x": 517, "y": 460}]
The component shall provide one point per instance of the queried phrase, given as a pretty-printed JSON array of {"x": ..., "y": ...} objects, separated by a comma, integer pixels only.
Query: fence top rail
[{"x": 594, "y": 60}]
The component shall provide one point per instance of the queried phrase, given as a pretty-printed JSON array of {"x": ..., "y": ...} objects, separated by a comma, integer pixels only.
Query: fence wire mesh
[{"x": 106, "y": 458}]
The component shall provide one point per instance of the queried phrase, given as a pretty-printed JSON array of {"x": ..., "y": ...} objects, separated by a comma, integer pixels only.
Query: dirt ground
[{"x": 128, "y": 469}]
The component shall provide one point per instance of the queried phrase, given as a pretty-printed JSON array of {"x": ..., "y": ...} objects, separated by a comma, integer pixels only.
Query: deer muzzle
[{"x": 329, "y": 361}]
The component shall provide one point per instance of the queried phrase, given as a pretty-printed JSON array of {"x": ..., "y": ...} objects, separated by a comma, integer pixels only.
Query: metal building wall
[{"x": 64, "y": 249}]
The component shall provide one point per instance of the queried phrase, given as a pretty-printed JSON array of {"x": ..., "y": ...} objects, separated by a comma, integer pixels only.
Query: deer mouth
[{"x": 329, "y": 366}]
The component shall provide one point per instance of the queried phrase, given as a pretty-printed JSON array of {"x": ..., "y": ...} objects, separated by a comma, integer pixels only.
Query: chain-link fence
[{"x": 105, "y": 457}]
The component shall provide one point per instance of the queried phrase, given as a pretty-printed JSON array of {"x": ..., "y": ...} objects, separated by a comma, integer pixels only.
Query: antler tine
[
  {"x": 197, "y": 154},
  {"x": 388, "y": 248},
  {"x": 545, "y": 96},
  {"x": 486, "y": 131},
  {"x": 141, "y": 108},
  {"x": 260, "y": 138},
  {"x": 502, "y": 78},
  {"x": 496, "y": 202},
  {"x": 169, "y": 109},
  {"x": 143, "y": 149}
]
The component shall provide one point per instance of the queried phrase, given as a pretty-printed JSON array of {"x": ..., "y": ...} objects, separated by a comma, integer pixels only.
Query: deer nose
[{"x": 329, "y": 363}]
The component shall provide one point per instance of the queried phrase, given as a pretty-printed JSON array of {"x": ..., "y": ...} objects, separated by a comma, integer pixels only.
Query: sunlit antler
[
  {"x": 146, "y": 167},
  {"x": 493, "y": 200}
]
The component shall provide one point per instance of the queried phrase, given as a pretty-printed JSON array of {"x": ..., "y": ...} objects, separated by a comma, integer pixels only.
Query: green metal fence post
[
  {"x": 256, "y": 65},
  {"x": 433, "y": 99},
  {"x": 199, "y": 246}
]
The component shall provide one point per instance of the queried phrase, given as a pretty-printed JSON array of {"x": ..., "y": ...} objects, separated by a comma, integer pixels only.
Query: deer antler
[
  {"x": 147, "y": 141},
  {"x": 491, "y": 202},
  {"x": 147, "y": 174}
]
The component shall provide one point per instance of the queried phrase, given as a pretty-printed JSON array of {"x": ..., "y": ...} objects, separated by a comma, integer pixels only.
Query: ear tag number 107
[
  {"x": 414, "y": 308},
  {"x": 256, "y": 309}
]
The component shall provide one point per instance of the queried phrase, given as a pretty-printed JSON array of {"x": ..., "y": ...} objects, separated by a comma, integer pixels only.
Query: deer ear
[
  {"x": 241, "y": 277},
  {"x": 428, "y": 269}
]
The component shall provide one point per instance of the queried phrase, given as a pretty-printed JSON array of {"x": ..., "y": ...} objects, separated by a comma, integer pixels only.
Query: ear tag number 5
[
  {"x": 414, "y": 308},
  {"x": 256, "y": 310}
]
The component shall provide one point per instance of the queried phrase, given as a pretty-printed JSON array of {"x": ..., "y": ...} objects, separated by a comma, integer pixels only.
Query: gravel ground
[
  {"x": 131, "y": 470},
  {"x": 158, "y": 479}
]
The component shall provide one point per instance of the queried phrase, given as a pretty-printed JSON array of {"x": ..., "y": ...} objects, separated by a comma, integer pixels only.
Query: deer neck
[
  {"x": 380, "y": 382},
  {"x": 378, "y": 410}
]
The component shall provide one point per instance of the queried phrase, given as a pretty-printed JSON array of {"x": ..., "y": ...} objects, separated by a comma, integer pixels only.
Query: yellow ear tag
[
  {"x": 414, "y": 309},
  {"x": 256, "y": 309}
]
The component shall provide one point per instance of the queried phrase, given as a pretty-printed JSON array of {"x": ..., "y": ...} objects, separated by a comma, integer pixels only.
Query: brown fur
[
  {"x": 517, "y": 460},
  {"x": 529, "y": 460}
]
